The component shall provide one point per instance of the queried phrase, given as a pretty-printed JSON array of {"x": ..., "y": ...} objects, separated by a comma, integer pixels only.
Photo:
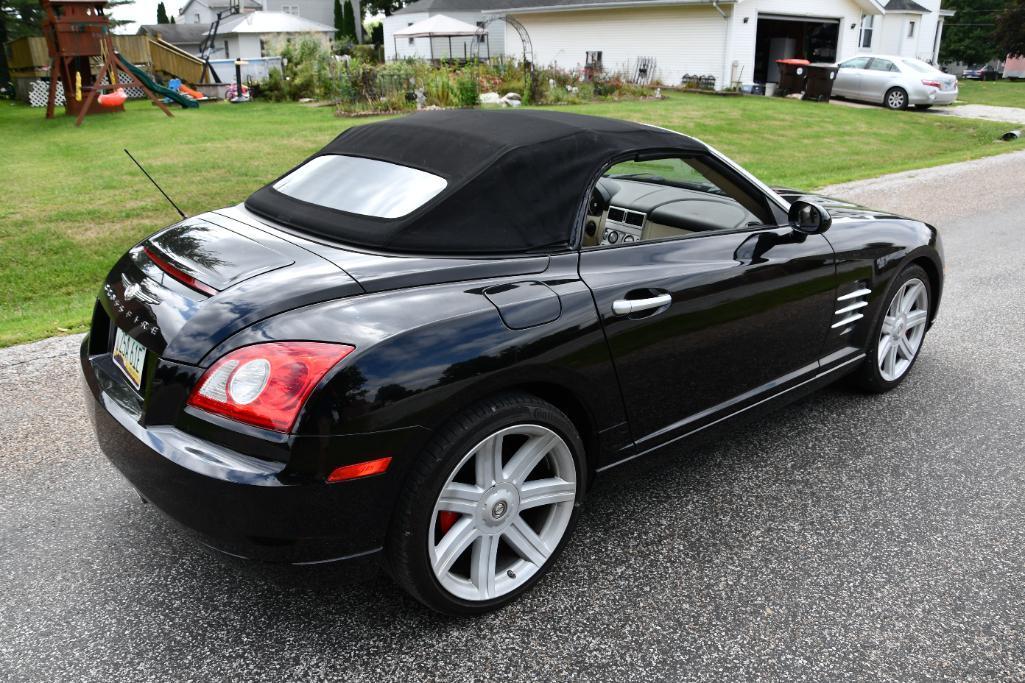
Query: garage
[{"x": 781, "y": 36}]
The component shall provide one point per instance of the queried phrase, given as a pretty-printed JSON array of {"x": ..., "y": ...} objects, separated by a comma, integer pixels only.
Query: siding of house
[
  {"x": 894, "y": 36},
  {"x": 421, "y": 47},
  {"x": 322, "y": 11},
  {"x": 683, "y": 40},
  {"x": 248, "y": 45}
]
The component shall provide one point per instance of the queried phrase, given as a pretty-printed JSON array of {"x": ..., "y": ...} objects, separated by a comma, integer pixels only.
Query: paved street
[{"x": 845, "y": 538}]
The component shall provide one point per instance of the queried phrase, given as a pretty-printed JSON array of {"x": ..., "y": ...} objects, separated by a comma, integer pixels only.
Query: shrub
[
  {"x": 438, "y": 89},
  {"x": 365, "y": 53},
  {"x": 309, "y": 71},
  {"x": 274, "y": 87},
  {"x": 467, "y": 92}
]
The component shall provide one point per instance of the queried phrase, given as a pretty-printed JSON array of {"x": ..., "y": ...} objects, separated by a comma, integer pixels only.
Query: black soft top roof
[{"x": 516, "y": 179}]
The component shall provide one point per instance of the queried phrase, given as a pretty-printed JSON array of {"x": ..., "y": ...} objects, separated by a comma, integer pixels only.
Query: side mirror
[{"x": 809, "y": 217}]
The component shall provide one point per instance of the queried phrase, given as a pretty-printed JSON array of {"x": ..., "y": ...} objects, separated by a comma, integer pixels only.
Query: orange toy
[
  {"x": 194, "y": 94},
  {"x": 112, "y": 99}
]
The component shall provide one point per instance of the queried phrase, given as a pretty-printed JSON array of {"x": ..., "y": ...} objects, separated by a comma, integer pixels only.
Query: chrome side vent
[{"x": 849, "y": 306}]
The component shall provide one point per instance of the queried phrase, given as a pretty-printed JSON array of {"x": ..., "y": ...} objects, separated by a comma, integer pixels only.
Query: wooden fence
[{"x": 29, "y": 58}]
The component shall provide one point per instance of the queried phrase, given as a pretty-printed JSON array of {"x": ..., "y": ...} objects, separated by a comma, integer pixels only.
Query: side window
[
  {"x": 881, "y": 65},
  {"x": 636, "y": 201},
  {"x": 856, "y": 63},
  {"x": 867, "y": 29}
]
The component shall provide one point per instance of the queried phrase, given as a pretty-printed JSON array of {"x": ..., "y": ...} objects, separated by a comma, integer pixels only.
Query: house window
[
  {"x": 412, "y": 41},
  {"x": 290, "y": 9},
  {"x": 227, "y": 55},
  {"x": 867, "y": 28},
  {"x": 481, "y": 36},
  {"x": 195, "y": 18},
  {"x": 911, "y": 29}
]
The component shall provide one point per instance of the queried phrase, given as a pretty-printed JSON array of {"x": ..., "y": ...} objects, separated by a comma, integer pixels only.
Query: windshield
[
  {"x": 675, "y": 172},
  {"x": 363, "y": 186}
]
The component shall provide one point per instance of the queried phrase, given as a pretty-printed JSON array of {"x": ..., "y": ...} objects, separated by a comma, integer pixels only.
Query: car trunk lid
[
  {"x": 378, "y": 272},
  {"x": 189, "y": 287}
]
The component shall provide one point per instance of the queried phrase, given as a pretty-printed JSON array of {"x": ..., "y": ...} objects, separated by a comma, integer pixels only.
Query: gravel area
[
  {"x": 846, "y": 537},
  {"x": 988, "y": 112}
]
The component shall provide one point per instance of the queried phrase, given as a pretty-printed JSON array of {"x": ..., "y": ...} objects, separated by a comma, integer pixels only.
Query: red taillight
[
  {"x": 360, "y": 469},
  {"x": 178, "y": 274},
  {"x": 933, "y": 84},
  {"x": 266, "y": 384}
]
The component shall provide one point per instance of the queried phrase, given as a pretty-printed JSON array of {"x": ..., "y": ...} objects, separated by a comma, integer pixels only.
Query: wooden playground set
[{"x": 78, "y": 37}]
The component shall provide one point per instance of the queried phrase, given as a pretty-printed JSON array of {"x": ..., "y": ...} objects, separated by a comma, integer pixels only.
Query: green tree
[
  {"x": 348, "y": 21},
  {"x": 968, "y": 35},
  {"x": 162, "y": 14},
  {"x": 339, "y": 20},
  {"x": 388, "y": 7},
  {"x": 1010, "y": 31}
]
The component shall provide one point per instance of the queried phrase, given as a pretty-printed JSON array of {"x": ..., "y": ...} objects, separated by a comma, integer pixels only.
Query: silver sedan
[{"x": 894, "y": 82}]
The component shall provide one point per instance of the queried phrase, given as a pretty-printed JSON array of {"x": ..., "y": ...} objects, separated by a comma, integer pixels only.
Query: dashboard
[{"x": 624, "y": 211}]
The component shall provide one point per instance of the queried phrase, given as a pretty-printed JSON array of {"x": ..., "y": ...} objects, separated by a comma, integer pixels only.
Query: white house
[
  {"x": 261, "y": 34},
  {"x": 912, "y": 29},
  {"x": 205, "y": 11},
  {"x": 320, "y": 11},
  {"x": 468, "y": 11},
  {"x": 737, "y": 41}
]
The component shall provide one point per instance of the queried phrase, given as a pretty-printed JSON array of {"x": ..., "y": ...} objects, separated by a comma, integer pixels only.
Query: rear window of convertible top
[{"x": 368, "y": 187}]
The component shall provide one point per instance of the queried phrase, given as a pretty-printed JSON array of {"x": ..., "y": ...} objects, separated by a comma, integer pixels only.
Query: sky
[{"x": 143, "y": 12}]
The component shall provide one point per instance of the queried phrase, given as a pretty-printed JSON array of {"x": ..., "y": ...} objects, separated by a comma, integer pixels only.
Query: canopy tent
[{"x": 440, "y": 26}]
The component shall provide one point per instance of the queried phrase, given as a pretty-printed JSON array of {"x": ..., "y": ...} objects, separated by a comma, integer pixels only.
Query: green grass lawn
[
  {"x": 997, "y": 93},
  {"x": 73, "y": 202}
]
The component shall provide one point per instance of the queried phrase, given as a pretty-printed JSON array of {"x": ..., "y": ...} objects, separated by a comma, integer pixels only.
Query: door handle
[{"x": 628, "y": 306}]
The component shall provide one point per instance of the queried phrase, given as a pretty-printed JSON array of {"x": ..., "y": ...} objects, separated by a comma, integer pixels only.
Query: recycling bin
[
  {"x": 792, "y": 74},
  {"x": 819, "y": 86}
]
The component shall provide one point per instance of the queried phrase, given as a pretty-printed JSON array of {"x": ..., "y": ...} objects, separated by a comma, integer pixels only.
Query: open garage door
[{"x": 782, "y": 36}]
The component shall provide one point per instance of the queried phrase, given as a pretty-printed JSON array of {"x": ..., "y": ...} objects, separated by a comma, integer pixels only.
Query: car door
[
  {"x": 878, "y": 77},
  {"x": 848, "y": 77},
  {"x": 703, "y": 323}
]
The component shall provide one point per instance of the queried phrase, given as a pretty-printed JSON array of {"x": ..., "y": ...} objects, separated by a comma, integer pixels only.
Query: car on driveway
[
  {"x": 894, "y": 82},
  {"x": 423, "y": 343}
]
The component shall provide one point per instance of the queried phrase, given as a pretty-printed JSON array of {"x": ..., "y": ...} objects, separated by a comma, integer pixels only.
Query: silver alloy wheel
[
  {"x": 896, "y": 99},
  {"x": 485, "y": 518},
  {"x": 903, "y": 329}
]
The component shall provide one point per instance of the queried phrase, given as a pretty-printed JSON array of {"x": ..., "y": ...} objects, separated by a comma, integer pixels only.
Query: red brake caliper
[{"x": 446, "y": 518}]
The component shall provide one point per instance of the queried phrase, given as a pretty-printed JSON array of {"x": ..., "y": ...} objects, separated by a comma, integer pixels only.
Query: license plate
[{"x": 130, "y": 356}]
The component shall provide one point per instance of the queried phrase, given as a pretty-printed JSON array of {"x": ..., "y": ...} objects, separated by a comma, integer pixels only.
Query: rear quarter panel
[{"x": 425, "y": 353}]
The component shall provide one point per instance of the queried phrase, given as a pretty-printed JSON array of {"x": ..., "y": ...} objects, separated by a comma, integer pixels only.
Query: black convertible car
[{"x": 422, "y": 344}]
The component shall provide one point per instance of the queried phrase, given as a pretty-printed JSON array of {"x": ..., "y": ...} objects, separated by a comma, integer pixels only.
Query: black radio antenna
[{"x": 180, "y": 212}]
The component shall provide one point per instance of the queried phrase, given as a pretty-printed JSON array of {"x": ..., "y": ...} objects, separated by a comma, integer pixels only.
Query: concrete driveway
[{"x": 845, "y": 538}]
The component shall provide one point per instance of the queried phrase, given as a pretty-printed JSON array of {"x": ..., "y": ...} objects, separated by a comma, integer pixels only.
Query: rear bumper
[
  {"x": 933, "y": 96},
  {"x": 238, "y": 504}
]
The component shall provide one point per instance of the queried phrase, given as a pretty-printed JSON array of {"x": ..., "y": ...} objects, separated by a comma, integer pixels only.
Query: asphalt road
[{"x": 845, "y": 538}]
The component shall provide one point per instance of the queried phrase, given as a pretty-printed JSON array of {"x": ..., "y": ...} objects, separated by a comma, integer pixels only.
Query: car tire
[
  {"x": 896, "y": 99},
  {"x": 889, "y": 361},
  {"x": 923, "y": 107},
  {"x": 427, "y": 551}
]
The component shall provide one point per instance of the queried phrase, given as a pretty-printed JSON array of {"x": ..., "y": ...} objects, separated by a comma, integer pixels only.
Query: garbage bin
[
  {"x": 819, "y": 85},
  {"x": 792, "y": 73}
]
